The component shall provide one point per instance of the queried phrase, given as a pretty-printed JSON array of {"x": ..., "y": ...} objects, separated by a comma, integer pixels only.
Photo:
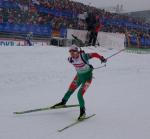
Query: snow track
[{"x": 32, "y": 77}]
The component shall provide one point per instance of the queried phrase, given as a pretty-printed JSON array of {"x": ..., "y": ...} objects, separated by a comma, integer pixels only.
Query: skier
[{"x": 80, "y": 61}]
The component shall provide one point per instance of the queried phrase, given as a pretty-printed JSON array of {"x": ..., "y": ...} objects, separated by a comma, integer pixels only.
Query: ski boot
[
  {"x": 82, "y": 114},
  {"x": 60, "y": 104}
]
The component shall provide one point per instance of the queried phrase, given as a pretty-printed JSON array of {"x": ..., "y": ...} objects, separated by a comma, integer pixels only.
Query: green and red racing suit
[{"x": 83, "y": 76}]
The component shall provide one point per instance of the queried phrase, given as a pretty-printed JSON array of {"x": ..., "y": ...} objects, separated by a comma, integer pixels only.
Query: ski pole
[
  {"x": 110, "y": 57},
  {"x": 116, "y": 53},
  {"x": 80, "y": 42},
  {"x": 100, "y": 67}
]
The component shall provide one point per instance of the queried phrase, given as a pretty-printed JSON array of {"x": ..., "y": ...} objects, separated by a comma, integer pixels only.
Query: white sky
[{"x": 129, "y": 5}]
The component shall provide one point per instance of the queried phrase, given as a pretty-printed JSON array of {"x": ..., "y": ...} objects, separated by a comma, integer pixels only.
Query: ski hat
[{"x": 73, "y": 48}]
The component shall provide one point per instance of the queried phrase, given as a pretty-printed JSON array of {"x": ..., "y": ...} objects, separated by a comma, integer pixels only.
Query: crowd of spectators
[
  {"x": 139, "y": 39},
  {"x": 27, "y": 13}
]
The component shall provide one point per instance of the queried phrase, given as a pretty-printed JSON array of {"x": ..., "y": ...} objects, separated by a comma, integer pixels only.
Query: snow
[{"x": 33, "y": 77}]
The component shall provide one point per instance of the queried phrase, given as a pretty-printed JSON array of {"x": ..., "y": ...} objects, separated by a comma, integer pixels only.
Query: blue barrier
[
  {"x": 43, "y": 30},
  {"x": 24, "y": 28},
  {"x": 63, "y": 32}
]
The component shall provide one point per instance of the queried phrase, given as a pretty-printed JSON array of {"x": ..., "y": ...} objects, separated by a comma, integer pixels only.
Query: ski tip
[
  {"x": 59, "y": 130},
  {"x": 74, "y": 36},
  {"x": 16, "y": 113},
  {"x": 93, "y": 114}
]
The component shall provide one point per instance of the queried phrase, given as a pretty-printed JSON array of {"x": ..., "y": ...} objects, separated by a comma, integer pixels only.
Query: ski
[
  {"x": 75, "y": 123},
  {"x": 78, "y": 41},
  {"x": 45, "y": 108}
]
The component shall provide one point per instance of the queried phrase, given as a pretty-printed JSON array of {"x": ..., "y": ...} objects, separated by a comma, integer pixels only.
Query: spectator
[{"x": 27, "y": 12}]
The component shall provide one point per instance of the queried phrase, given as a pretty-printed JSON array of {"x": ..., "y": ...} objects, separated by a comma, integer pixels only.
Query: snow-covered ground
[{"x": 33, "y": 77}]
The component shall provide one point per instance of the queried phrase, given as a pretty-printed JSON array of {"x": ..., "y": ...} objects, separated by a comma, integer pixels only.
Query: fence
[{"x": 42, "y": 30}]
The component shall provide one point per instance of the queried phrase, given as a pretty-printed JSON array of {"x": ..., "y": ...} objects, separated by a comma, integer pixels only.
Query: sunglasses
[{"x": 73, "y": 51}]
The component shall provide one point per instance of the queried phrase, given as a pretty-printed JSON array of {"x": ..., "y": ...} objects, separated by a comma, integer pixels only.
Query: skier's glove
[{"x": 103, "y": 60}]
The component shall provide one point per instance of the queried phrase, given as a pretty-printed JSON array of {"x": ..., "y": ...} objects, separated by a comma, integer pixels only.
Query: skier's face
[{"x": 74, "y": 54}]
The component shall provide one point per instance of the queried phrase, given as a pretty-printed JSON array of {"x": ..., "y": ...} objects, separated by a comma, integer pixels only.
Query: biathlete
[{"x": 80, "y": 60}]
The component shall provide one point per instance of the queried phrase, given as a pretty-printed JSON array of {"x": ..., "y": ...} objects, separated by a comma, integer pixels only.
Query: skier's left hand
[{"x": 103, "y": 60}]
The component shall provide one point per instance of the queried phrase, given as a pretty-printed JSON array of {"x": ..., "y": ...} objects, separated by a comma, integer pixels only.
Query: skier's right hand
[{"x": 103, "y": 60}]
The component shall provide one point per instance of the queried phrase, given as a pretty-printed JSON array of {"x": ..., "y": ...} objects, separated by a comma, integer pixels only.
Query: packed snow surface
[{"x": 34, "y": 77}]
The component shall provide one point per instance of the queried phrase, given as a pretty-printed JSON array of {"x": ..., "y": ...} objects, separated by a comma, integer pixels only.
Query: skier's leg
[
  {"x": 73, "y": 86},
  {"x": 82, "y": 91}
]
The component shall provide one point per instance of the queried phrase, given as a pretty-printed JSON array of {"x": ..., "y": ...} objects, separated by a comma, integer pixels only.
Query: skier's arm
[{"x": 96, "y": 55}]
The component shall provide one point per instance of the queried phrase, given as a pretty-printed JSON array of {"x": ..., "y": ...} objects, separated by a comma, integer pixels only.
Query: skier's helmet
[{"x": 73, "y": 48}]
